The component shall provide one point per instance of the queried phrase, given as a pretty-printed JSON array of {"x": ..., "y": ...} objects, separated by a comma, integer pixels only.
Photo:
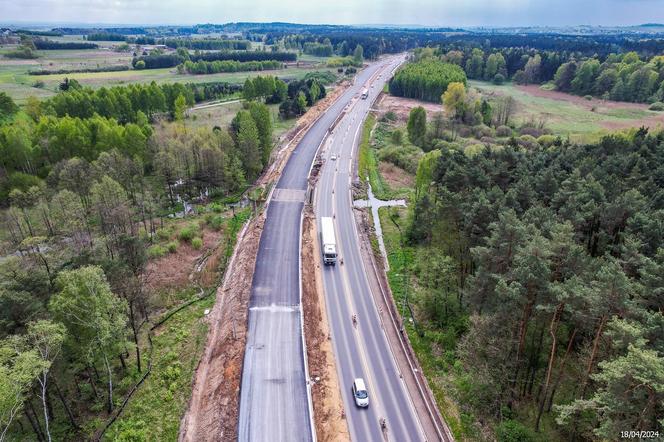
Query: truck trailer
[{"x": 329, "y": 243}]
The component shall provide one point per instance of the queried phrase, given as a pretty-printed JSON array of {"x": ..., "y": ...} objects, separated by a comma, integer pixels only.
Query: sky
[{"x": 454, "y": 13}]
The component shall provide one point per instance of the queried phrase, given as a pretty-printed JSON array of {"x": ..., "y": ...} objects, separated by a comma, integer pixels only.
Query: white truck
[
  {"x": 365, "y": 94},
  {"x": 328, "y": 241}
]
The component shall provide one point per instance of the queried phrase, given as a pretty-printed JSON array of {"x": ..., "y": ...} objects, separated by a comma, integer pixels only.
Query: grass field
[
  {"x": 582, "y": 120},
  {"x": 223, "y": 114},
  {"x": 15, "y": 81}
]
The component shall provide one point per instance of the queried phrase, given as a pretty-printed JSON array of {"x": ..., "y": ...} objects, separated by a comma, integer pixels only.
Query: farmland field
[{"x": 15, "y": 80}]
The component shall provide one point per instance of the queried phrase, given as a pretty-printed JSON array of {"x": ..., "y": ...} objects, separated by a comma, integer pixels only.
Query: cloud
[{"x": 423, "y": 12}]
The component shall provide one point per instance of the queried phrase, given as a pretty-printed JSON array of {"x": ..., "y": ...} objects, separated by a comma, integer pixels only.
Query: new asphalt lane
[{"x": 274, "y": 400}]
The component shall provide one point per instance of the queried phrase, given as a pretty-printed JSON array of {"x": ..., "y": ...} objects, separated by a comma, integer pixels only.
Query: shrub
[
  {"x": 172, "y": 247},
  {"x": 389, "y": 116},
  {"x": 473, "y": 149},
  {"x": 532, "y": 131},
  {"x": 498, "y": 79},
  {"x": 397, "y": 136},
  {"x": 546, "y": 140},
  {"x": 140, "y": 64},
  {"x": 163, "y": 233},
  {"x": 527, "y": 141},
  {"x": 111, "y": 68},
  {"x": 513, "y": 431},
  {"x": 7, "y": 105},
  {"x": 442, "y": 144},
  {"x": 465, "y": 131},
  {"x": 323, "y": 77},
  {"x": 197, "y": 243},
  {"x": 188, "y": 233},
  {"x": 588, "y": 97},
  {"x": 406, "y": 157},
  {"x": 23, "y": 52},
  {"x": 156, "y": 251},
  {"x": 483, "y": 131},
  {"x": 215, "y": 207},
  {"x": 503, "y": 131},
  {"x": 447, "y": 135},
  {"x": 527, "y": 138},
  {"x": 216, "y": 222},
  {"x": 657, "y": 106}
]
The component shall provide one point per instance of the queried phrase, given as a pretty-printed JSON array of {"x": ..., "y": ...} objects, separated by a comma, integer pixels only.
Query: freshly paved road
[
  {"x": 361, "y": 351},
  {"x": 274, "y": 399}
]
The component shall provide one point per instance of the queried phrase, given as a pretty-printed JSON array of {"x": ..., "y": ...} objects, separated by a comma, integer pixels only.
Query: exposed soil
[
  {"x": 402, "y": 106},
  {"x": 175, "y": 270},
  {"x": 214, "y": 405},
  {"x": 394, "y": 176},
  {"x": 213, "y": 409},
  {"x": 651, "y": 122},
  {"x": 326, "y": 393}
]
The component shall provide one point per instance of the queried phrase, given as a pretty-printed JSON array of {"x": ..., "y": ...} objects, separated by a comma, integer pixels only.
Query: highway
[
  {"x": 361, "y": 351},
  {"x": 274, "y": 395}
]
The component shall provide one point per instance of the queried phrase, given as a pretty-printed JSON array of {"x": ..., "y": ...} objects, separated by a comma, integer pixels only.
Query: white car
[
  {"x": 333, "y": 157},
  {"x": 360, "y": 393}
]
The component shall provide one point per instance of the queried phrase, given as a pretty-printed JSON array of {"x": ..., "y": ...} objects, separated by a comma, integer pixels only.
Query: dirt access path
[{"x": 213, "y": 409}]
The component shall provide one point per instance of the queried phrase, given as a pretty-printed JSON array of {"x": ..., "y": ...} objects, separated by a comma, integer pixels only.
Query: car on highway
[
  {"x": 360, "y": 393},
  {"x": 333, "y": 157}
]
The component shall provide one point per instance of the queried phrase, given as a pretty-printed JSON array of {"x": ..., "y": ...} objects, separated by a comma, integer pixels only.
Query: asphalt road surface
[
  {"x": 274, "y": 397},
  {"x": 362, "y": 350}
]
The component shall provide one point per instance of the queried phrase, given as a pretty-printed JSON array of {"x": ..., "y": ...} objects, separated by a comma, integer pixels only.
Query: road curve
[{"x": 274, "y": 396}]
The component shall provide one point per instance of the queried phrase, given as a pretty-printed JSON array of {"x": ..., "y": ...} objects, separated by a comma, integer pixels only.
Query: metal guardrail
[{"x": 426, "y": 394}]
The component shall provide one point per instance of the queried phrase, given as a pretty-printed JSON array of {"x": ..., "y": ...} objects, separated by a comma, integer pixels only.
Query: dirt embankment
[
  {"x": 213, "y": 409},
  {"x": 326, "y": 394},
  {"x": 395, "y": 176},
  {"x": 289, "y": 140},
  {"x": 214, "y": 405},
  {"x": 402, "y": 106},
  {"x": 176, "y": 270}
]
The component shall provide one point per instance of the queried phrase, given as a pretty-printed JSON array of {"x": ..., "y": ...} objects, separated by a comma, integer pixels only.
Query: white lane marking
[
  {"x": 362, "y": 421},
  {"x": 274, "y": 308},
  {"x": 373, "y": 304},
  {"x": 379, "y": 338},
  {"x": 368, "y": 373},
  {"x": 391, "y": 361}
]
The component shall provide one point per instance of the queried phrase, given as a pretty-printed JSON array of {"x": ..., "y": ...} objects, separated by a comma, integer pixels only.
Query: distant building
[{"x": 149, "y": 48}]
